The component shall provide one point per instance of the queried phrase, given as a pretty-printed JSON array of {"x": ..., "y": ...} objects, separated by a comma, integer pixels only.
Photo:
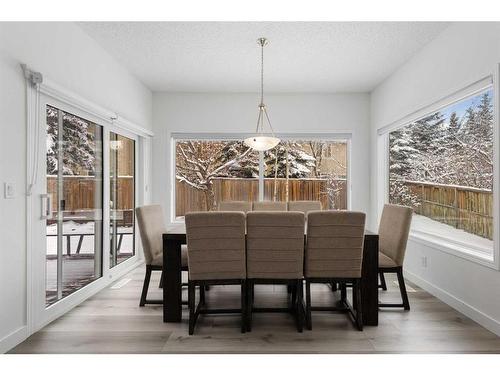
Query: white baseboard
[
  {"x": 479, "y": 317},
  {"x": 13, "y": 339}
]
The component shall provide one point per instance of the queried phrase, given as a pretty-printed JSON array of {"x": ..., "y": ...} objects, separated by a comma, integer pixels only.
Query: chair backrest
[
  {"x": 243, "y": 206},
  {"x": 393, "y": 231},
  {"x": 304, "y": 206},
  {"x": 275, "y": 245},
  {"x": 269, "y": 206},
  {"x": 151, "y": 227},
  {"x": 216, "y": 245},
  {"x": 334, "y": 244}
]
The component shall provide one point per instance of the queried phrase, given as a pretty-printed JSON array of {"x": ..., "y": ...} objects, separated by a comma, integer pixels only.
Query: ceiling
[{"x": 225, "y": 57}]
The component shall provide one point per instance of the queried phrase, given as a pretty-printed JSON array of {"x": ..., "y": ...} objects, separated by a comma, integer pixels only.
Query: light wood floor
[{"x": 112, "y": 322}]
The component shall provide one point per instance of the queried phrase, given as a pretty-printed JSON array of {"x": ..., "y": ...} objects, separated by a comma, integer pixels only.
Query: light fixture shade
[{"x": 261, "y": 142}]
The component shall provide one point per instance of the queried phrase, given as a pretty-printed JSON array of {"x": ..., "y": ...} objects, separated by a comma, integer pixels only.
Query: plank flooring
[{"x": 112, "y": 322}]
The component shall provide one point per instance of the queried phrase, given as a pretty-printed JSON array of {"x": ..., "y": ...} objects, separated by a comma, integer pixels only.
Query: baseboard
[
  {"x": 479, "y": 317},
  {"x": 13, "y": 339}
]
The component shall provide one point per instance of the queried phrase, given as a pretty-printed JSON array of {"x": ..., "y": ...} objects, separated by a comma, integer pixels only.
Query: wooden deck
[{"x": 113, "y": 322}]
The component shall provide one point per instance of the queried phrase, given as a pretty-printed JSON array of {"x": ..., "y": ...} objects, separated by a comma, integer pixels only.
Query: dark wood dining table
[{"x": 175, "y": 237}]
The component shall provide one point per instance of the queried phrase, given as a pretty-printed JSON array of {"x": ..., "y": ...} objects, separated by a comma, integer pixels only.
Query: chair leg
[
  {"x": 191, "y": 303},
  {"x": 202, "y": 294},
  {"x": 294, "y": 294},
  {"x": 354, "y": 296},
  {"x": 334, "y": 287},
  {"x": 249, "y": 305},
  {"x": 358, "y": 303},
  {"x": 299, "y": 305},
  {"x": 243, "y": 306},
  {"x": 145, "y": 286},
  {"x": 308, "y": 305},
  {"x": 382, "y": 285},
  {"x": 343, "y": 292},
  {"x": 161, "y": 281},
  {"x": 402, "y": 288}
]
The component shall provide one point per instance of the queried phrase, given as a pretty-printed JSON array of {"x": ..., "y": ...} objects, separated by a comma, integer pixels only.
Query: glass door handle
[{"x": 46, "y": 200}]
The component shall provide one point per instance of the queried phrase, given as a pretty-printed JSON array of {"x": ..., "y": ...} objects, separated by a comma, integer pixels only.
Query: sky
[{"x": 461, "y": 107}]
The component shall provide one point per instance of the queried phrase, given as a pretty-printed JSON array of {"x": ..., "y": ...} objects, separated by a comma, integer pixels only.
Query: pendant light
[{"x": 262, "y": 141}]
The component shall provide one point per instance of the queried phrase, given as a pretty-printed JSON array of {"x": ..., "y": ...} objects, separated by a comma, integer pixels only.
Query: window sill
[{"x": 476, "y": 254}]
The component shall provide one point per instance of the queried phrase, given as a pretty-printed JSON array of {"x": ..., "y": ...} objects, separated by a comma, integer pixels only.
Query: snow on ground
[
  {"x": 433, "y": 227},
  {"x": 71, "y": 227}
]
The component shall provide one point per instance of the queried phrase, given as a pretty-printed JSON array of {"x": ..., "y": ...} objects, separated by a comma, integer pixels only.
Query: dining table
[{"x": 175, "y": 237}]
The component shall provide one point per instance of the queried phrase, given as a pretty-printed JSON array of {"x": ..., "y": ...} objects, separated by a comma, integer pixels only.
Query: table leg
[
  {"x": 172, "y": 288},
  {"x": 369, "y": 281}
]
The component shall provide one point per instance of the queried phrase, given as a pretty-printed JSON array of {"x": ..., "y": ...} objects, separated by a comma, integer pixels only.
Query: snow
[
  {"x": 71, "y": 227},
  {"x": 427, "y": 225}
]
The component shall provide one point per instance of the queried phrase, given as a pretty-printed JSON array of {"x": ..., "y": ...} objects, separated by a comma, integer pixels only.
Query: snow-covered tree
[
  {"x": 317, "y": 148},
  {"x": 78, "y": 148},
  {"x": 198, "y": 163},
  {"x": 300, "y": 163},
  {"x": 457, "y": 150}
]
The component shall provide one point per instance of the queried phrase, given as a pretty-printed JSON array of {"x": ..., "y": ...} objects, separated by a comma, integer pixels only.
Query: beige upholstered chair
[
  {"x": 275, "y": 255},
  {"x": 269, "y": 206},
  {"x": 216, "y": 256},
  {"x": 334, "y": 254},
  {"x": 393, "y": 234},
  {"x": 304, "y": 206},
  {"x": 243, "y": 206},
  {"x": 151, "y": 229}
]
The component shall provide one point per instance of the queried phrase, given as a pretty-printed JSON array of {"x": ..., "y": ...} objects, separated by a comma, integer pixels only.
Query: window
[
  {"x": 122, "y": 198},
  {"x": 442, "y": 166},
  {"x": 211, "y": 171},
  {"x": 74, "y": 222}
]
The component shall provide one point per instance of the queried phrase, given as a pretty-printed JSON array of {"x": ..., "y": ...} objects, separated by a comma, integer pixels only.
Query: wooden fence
[
  {"x": 79, "y": 194},
  {"x": 462, "y": 207},
  {"x": 188, "y": 199}
]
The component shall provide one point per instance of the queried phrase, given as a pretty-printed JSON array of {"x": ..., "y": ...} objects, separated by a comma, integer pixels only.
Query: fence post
[{"x": 456, "y": 208}]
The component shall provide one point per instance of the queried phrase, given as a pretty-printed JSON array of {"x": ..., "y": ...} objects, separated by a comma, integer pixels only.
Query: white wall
[
  {"x": 289, "y": 113},
  {"x": 63, "y": 53},
  {"x": 461, "y": 55}
]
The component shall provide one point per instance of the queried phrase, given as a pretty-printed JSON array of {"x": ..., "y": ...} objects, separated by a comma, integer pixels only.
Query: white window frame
[
  {"x": 445, "y": 244},
  {"x": 174, "y": 137},
  {"x": 73, "y": 103}
]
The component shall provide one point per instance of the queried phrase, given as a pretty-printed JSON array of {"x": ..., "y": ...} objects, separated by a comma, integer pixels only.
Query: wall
[
  {"x": 462, "y": 54},
  {"x": 67, "y": 56},
  {"x": 289, "y": 113}
]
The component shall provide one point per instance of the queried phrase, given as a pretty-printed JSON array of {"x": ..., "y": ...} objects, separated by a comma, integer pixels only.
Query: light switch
[{"x": 9, "y": 190}]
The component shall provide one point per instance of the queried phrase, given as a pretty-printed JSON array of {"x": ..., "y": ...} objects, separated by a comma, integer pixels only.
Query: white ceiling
[{"x": 225, "y": 57}]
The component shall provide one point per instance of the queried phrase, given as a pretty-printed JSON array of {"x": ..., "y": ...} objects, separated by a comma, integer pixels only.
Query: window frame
[
  {"x": 174, "y": 137},
  {"x": 446, "y": 244},
  {"x": 49, "y": 93}
]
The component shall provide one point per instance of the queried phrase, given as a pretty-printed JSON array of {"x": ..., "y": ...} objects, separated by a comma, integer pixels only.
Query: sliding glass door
[
  {"x": 73, "y": 203},
  {"x": 122, "y": 198}
]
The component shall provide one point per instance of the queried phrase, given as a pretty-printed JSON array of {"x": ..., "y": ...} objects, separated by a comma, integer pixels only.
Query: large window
[
  {"x": 211, "y": 171},
  {"x": 442, "y": 166}
]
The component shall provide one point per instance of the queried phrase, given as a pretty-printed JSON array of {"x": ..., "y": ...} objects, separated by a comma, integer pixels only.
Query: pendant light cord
[{"x": 262, "y": 73}]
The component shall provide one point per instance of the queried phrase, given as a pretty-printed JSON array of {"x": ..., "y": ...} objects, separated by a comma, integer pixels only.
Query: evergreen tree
[
  {"x": 78, "y": 148},
  {"x": 300, "y": 163}
]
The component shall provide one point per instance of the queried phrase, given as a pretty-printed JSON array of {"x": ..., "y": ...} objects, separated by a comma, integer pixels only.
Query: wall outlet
[
  {"x": 9, "y": 190},
  {"x": 424, "y": 261}
]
